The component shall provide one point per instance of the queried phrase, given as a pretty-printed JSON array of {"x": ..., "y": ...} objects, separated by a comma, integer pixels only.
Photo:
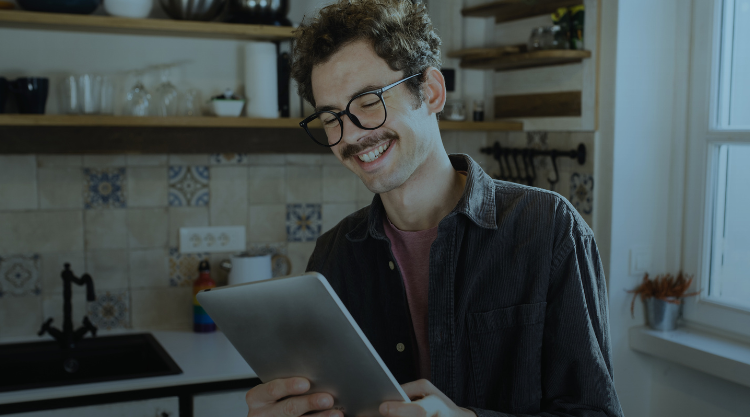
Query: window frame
[{"x": 705, "y": 136}]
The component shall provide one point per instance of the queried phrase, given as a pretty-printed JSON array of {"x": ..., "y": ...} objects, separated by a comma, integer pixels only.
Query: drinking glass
[
  {"x": 89, "y": 93},
  {"x": 69, "y": 101},
  {"x": 138, "y": 99},
  {"x": 189, "y": 103},
  {"x": 106, "y": 96},
  {"x": 165, "y": 96}
]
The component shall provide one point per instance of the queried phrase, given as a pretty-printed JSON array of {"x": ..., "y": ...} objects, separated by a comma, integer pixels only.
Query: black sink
[{"x": 109, "y": 358}]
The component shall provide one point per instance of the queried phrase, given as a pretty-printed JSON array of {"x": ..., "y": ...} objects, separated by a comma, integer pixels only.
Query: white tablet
[{"x": 297, "y": 326}]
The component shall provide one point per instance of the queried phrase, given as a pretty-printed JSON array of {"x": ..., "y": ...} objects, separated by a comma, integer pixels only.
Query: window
[
  {"x": 734, "y": 72},
  {"x": 730, "y": 240},
  {"x": 716, "y": 214}
]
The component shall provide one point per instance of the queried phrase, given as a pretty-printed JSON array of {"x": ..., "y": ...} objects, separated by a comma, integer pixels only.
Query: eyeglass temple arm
[{"x": 387, "y": 87}]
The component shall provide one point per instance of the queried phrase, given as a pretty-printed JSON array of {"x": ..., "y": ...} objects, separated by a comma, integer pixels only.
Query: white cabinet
[
  {"x": 158, "y": 407},
  {"x": 225, "y": 403}
]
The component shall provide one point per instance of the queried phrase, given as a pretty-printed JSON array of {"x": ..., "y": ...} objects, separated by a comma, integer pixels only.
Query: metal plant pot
[{"x": 662, "y": 315}]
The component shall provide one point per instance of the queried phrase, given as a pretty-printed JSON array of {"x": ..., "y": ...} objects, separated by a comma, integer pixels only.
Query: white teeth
[{"x": 374, "y": 154}]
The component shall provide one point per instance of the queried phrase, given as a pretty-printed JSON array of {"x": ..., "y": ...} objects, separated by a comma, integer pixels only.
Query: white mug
[{"x": 246, "y": 268}]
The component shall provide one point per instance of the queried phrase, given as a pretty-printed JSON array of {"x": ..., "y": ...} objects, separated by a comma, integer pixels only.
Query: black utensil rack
[{"x": 517, "y": 164}]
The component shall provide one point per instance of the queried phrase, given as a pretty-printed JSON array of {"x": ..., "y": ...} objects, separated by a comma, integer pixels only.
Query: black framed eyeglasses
[{"x": 366, "y": 110}]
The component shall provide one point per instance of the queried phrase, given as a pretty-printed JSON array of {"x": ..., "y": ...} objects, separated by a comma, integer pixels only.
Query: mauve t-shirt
[{"x": 412, "y": 253}]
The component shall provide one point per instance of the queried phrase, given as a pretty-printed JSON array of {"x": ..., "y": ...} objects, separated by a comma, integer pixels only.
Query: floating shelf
[
  {"x": 510, "y": 61},
  {"x": 63, "y": 120},
  {"x": 508, "y": 10},
  {"x": 486, "y": 53},
  {"x": 43, "y": 120},
  {"x": 71, "y": 134},
  {"x": 158, "y": 27},
  {"x": 561, "y": 104}
]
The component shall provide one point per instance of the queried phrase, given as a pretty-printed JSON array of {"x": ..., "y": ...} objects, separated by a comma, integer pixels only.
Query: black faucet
[{"x": 68, "y": 337}]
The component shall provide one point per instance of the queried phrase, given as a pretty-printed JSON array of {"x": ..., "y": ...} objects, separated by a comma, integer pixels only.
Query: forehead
[{"x": 354, "y": 66}]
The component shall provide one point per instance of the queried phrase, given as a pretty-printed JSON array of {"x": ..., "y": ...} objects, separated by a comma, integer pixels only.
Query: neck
[{"x": 428, "y": 195}]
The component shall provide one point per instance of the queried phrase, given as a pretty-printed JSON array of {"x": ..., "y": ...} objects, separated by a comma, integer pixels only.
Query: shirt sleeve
[{"x": 577, "y": 375}]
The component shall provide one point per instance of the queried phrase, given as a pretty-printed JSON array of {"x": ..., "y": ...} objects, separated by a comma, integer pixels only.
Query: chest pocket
[{"x": 506, "y": 353}]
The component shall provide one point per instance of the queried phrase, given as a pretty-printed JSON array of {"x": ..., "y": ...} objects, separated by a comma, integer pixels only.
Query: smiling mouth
[{"x": 375, "y": 153}]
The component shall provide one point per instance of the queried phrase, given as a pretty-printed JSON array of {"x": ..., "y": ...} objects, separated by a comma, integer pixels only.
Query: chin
[{"x": 385, "y": 182}]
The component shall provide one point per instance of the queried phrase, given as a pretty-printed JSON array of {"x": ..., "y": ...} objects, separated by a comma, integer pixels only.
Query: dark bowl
[
  {"x": 271, "y": 12},
  {"x": 60, "y": 6}
]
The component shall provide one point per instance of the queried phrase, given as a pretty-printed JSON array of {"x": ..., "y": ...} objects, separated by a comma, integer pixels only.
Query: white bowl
[
  {"x": 227, "y": 108},
  {"x": 137, "y": 9}
]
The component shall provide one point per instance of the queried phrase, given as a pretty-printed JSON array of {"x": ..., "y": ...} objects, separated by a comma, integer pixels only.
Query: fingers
[
  {"x": 419, "y": 388},
  {"x": 275, "y": 390},
  {"x": 327, "y": 413},
  {"x": 429, "y": 406},
  {"x": 296, "y": 406}
]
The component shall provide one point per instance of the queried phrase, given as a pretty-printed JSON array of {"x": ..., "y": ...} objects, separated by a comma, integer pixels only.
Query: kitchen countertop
[{"x": 202, "y": 357}]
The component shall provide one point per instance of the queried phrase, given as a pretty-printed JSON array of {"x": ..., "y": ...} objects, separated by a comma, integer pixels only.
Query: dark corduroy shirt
[{"x": 517, "y": 304}]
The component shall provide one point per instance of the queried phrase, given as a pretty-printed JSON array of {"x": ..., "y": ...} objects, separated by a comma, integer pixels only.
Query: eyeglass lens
[{"x": 368, "y": 109}]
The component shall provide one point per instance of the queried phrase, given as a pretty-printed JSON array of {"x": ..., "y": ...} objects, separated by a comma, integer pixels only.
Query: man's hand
[
  {"x": 427, "y": 401},
  {"x": 270, "y": 400}
]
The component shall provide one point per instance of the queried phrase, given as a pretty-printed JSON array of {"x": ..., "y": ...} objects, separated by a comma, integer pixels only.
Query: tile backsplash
[{"x": 117, "y": 217}]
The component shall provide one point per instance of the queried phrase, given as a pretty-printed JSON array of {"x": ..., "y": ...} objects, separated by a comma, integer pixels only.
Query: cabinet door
[
  {"x": 225, "y": 403},
  {"x": 156, "y": 407}
]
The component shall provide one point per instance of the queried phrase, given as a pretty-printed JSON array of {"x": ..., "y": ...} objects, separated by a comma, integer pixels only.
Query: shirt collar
[{"x": 477, "y": 203}]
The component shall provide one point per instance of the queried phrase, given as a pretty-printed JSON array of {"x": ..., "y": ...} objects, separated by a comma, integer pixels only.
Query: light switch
[{"x": 640, "y": 260}]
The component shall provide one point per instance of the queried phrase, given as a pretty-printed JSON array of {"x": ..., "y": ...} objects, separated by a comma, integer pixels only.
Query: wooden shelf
[
  {"x": 481, "y": 126},
  {"x": 158, "y": 27},
  {"x": 71, "y": 134},
  {"x": 43, "y": 120},
  {"x": 508, "y": 10},
  {"x": 506, "y": 62},
  {"x": 132, "y": 121}
]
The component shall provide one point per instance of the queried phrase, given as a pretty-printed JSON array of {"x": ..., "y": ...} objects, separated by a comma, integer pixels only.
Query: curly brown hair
[{"x": 400, "y": 32}]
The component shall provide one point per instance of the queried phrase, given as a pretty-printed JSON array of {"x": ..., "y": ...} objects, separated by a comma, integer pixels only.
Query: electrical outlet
[{"x": 212, "y": 239}]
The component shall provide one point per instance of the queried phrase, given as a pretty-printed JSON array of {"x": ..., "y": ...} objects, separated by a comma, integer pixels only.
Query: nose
[{"x": 352, "y": 132}]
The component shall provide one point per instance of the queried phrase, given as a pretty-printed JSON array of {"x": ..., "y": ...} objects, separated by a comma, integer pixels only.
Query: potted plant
[{"x": 663, "y": 296}]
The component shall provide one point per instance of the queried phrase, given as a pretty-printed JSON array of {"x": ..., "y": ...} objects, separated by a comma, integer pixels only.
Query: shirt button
[
  {"x": 400, "y": 347},
  {"x": 391, "y": 265}
]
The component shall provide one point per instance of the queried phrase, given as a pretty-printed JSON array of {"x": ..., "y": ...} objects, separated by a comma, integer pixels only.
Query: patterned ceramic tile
[
  {"x": 111, "y": 310},
  {"x": 188, "y": 186},
  {"x": 183, "y": 267},
  {"x": 303, "y": 222},
  {"x": 19, "y": 275},
  {"x": 229, "y": 158},
  {"x": 582, "y": 192},
  {"x": 104, "y": 188}
]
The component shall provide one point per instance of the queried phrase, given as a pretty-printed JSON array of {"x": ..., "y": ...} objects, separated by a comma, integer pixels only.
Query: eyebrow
[{"x": 364, "y": 89}]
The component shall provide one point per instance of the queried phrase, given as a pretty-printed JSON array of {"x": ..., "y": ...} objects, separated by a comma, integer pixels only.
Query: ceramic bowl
[
  {"x": 60, "y": 6},
  {"x": 227, "y": 108},
  {"x": 137, "y": 9},
  {"x": 193, "y": 10}
]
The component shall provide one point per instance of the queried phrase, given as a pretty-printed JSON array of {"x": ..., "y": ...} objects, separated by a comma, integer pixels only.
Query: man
[{"x": 482, "y": 297}]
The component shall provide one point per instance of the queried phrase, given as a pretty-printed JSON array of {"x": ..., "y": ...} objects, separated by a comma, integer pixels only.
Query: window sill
[{"x": 710, "y": 353}]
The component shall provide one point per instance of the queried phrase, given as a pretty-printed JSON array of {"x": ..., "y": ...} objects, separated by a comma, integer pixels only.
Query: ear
[{"x": 434, "y": 90}]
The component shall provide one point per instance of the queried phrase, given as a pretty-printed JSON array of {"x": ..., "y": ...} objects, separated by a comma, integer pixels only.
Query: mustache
[{"x": 352, "y": 149}]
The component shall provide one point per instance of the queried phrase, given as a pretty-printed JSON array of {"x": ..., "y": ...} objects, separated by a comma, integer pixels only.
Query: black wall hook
[{"x": 503, "y": 156}]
